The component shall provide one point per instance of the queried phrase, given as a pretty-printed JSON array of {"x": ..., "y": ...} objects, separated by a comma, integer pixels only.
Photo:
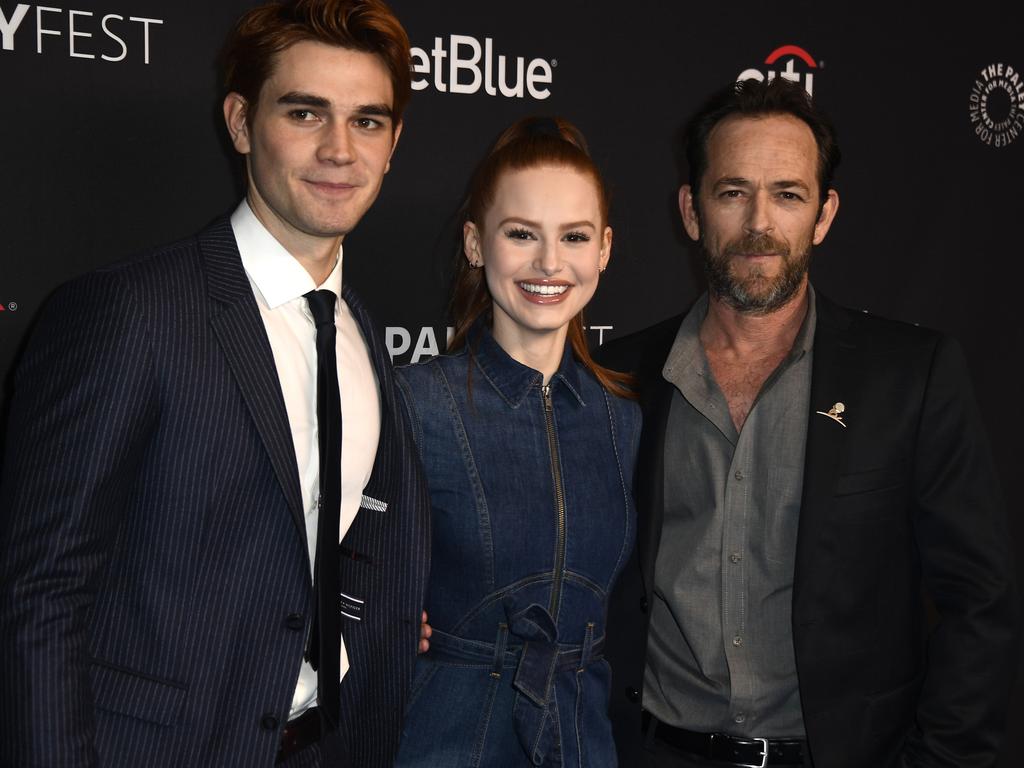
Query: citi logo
[
  {"x": 86, "y": 35},
  {"x": 791, "y": 54},
  {"x": 472, "y": 66}
]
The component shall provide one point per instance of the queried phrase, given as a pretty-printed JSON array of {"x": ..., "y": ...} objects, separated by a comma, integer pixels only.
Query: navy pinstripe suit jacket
[{"x": 155, "y": 589}]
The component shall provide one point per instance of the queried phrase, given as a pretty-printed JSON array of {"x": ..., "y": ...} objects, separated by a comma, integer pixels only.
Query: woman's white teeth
[{"x": 543, "y": 289}]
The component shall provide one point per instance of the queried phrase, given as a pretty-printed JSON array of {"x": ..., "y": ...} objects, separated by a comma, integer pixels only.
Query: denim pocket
[
  {"x": 425, "y": 670},
  {"x": 593, "y": 727},
  {"x": 455, "y": 718}
]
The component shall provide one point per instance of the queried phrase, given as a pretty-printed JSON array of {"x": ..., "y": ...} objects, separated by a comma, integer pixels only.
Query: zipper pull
[{"x": 546, "y": 394}]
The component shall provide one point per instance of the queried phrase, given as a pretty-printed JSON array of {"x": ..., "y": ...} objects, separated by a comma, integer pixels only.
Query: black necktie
[{"x": 325, "y": 648}]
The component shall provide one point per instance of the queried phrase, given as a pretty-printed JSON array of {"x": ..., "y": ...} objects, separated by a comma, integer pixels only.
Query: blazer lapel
[
  {"x": 378, "y": 485},
  {"x": 655, "y": 403},
  {"x": 835, "y": 376},
  {"x": 650, "y": 483},
  {"x": 236, "y": 323}
]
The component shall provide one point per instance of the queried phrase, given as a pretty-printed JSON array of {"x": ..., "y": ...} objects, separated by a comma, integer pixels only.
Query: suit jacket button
[
  {"x": 643, "y": 603},
  {"x": 269, "y": 722},
  {"x": 633, "y": 694},
  {"x": 295, "y": 621}
]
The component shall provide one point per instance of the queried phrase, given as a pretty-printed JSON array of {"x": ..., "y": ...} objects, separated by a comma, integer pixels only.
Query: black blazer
[
  {"x": 904, "y": 497},
  {"x": 155, "y": 588}
]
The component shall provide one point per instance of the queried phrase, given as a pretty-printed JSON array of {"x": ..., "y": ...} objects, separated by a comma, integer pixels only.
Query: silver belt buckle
[{"x": 764, "y": 755}]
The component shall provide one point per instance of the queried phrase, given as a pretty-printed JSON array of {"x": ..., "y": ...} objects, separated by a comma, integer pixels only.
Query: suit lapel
[
  {"x": 835, "y": 376},
  {"x": 236, "y": 322},
  {"x": 651, "y": 472},
  {"x": 378, "y": 485},
  {"x": 655, "y": 404}
]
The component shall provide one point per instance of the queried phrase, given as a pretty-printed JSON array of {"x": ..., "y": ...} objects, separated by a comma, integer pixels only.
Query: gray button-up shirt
[{"x": 720, "y": 650}]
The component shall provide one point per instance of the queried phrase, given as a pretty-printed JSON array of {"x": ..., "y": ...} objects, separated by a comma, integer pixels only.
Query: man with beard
[{"x": 806, "y": 473}]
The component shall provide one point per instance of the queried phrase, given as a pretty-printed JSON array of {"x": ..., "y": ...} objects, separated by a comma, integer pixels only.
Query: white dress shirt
[{"x": 279, "y": 283}]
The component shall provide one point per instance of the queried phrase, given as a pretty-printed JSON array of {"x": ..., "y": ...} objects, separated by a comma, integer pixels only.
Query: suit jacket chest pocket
[
  {"x": 357, "y": 558},
  {"x": 873, "y": 494}
]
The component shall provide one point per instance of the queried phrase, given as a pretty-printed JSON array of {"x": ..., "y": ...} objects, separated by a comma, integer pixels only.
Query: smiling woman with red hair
[{"x": 529, "y": 449}]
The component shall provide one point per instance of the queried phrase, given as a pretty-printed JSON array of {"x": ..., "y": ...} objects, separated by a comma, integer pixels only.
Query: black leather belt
[
  {"x": 299, "y": 734},
  {"x": 748, "y": 752}
]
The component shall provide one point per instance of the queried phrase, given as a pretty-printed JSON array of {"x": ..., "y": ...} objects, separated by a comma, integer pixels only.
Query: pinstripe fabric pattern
[
  {"x": 151, "y": 548},
  {"x": 389, "y": 572}
]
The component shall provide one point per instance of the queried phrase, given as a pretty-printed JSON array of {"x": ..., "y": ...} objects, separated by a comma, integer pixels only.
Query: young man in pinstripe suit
[{"x": 158, "y": 517}]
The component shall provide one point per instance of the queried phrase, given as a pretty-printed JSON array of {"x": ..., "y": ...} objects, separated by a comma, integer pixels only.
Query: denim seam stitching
[
  {"x": 469, "y": 462},
  {"x": 622, "y": 483}
]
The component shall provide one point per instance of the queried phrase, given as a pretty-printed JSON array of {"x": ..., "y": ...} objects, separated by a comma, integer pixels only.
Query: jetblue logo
[
  {"x": 78, "y": 34},
  {"x": 790, "y": 55},
  {"x": 462, "y": 64}
]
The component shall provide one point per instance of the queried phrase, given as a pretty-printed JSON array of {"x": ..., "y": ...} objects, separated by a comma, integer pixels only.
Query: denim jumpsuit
[{"x": 533, "y": 519}]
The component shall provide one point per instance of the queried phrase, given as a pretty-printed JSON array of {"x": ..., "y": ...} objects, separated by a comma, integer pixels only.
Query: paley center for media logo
[
  {"x": 797, "y": 65},
  {"x": 462, "y": 64},
  {"x": 399, "y": 340},
  {"x": 997, "y": 104}
]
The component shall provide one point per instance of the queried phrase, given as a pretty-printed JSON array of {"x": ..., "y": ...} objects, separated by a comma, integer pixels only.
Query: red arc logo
[{"x": 791, "y": 50}]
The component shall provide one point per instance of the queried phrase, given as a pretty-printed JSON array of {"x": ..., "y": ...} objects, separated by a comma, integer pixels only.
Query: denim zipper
[{"x": 556, "y": 476}]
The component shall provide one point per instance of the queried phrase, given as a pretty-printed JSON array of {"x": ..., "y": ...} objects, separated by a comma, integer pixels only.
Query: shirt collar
[
  {"x": 804, "y": 341},
  {"x": 510, "y": 378},
  {"x": 274, "y": 272},
  {"x": 687, "y": 353}
]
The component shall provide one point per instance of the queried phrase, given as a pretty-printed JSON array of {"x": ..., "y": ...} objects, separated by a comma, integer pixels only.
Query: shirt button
[
  {"x": 738, "y": 475},
  {"x": 740, "y": 718},
  {"x": 295, "y": 621},
  {"x": 269, "y": 722},
  {"x": 633, "y": 694},
  {"x": 735, "y": 557},
  {"x": 737, "y": 641}
]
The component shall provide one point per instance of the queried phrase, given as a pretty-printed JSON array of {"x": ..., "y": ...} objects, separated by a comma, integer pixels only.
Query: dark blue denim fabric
[{"x": 515, "y": 674}]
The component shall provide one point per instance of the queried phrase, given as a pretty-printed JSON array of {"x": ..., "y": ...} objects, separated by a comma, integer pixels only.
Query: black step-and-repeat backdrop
[{"x": 111, "y": 142}]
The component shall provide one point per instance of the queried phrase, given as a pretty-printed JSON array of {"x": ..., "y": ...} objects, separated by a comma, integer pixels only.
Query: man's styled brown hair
[
  {"x": 250, "y": 54},
  {"x": 754, "y": 98}
]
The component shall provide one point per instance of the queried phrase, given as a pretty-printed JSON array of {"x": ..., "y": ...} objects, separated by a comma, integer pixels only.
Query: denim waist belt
[{"x": 536, "y": 661}]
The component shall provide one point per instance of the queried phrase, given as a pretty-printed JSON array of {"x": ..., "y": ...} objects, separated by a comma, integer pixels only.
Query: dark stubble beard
[{"x": 755, "y": 293}]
